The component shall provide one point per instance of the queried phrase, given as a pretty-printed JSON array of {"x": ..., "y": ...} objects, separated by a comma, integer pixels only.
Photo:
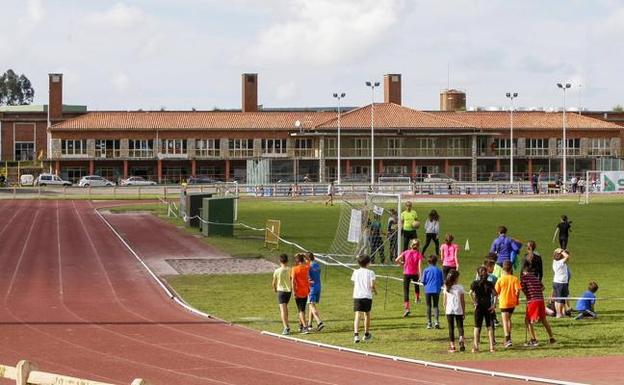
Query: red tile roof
[{"x": 531, "y": 120}]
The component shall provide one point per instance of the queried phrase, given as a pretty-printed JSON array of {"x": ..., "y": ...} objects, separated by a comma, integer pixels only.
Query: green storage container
[{"x": 217, "y": 211}]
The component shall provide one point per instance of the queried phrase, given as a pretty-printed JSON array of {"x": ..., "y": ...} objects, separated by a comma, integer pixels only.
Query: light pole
[
  {"x": 511, "y": 96},
  {"x": 564, "y": 144},
  {"x": 339, "y": 97},
  {"x": 372, "y": 86}
]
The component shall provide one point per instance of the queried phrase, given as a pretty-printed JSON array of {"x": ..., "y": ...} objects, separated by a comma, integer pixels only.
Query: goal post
[
  {"x": 380, "y": 205},
  {"x": 394, "y": 184},
  {"x": 604, "y": 182}
]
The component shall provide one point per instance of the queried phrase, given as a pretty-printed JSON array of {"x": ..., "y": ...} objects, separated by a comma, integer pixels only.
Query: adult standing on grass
[
  {"x": 282, "y": 286},
  {"x": 331, "y": 191},
  {"x": 503, "y": 246},
  {"x": 563, "y": 229},
  {"x": 409, "y": 224}
]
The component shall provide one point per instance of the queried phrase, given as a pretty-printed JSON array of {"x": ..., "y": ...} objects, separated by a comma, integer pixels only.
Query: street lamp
[
  {"x": 511, "y": 96},
  {"x": 339, "y": 97},
  {"x": 372, "y": 86},
  {"x": 564, "y": 144}
]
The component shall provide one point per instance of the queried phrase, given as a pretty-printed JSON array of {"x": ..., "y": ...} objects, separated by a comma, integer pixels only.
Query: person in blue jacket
[{"x": 432, "y": 280}]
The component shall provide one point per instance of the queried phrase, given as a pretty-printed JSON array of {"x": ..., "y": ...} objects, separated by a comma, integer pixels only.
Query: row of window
[{"x": 542, "y": 143}]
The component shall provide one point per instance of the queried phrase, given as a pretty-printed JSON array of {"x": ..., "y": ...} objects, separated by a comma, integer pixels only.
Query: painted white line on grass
[{"x": 426, "y": 364}]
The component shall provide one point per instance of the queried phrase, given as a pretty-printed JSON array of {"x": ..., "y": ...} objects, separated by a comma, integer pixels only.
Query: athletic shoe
[
  {"x": 496, "y": 323},
  {"x": 356, "y": 339},
  {"x": 320, "y": 327},
  {"x": 406, "y": 313},
  {"x": 531, "y": 344},
  {"x": 552, "y": 340},
  {"x": 462, "y": 347},
  {"x": 417, "y": 301},
  {"x": 286, "y": 331},
  {"x": 305, "y": 331},
  {"x": 368, "y": 337},
  {"x": 508, "y": 344},
  {"x": 429, "y": 325},
  {"x": 300, "y": 328},
  {"x": 437, "y": 325}
]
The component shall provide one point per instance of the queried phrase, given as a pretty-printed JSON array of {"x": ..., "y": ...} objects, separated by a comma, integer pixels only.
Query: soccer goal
[
  {"x": 394, "y": 184},
  {"x": 601, "y": 182},
  {"x": 369, "y": 226}
]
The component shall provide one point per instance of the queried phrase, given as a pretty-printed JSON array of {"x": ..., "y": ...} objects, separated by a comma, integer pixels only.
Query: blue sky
[{"x": 190, "y": 53}]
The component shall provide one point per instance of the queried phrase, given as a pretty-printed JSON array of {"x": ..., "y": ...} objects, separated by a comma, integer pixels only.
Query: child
[
  {"x": 454, "y": 308},
  {"x": 503, "y": 246},
  {"x": 300, "y": 278},
  {"x": 483, "y": 297},
  {"x": 490, "y": 264},
  {"x": 563, "y": 228},
  {"x": 331, "y": 191},
  {"x": 560, "y": 280},
  {"x": 535, "y": 308},
  {"x": 411, "y": 260},
  {"x": 533, "y": 261},
  {"x": 432, "y": 229},
  {"x": 508, "y": 289},
  {"x": 375, "y": 240},
  {"x": 449, "y": 250},
  {"x": 363, "y": 289},
  {"x": 315, "y": 293},
  {"x": 432, "y": 280},
  {"x": 282, "y": 286},
  {"x": 585, "y": 305},
  {"x": 392, "y": 231}
]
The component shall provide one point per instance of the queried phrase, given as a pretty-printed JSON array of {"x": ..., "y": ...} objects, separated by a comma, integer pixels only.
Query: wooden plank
[
  {"x": 43, "y": 378},
  {"x": 8, "y": 372}
]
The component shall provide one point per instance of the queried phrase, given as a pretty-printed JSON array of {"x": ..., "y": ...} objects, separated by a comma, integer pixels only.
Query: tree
[
  {"x": 618, "y": 108},
  {"x": 15, "y": 90}
]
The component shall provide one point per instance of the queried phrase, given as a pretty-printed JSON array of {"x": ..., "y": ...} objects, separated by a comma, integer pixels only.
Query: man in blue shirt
[
  {"x": 503, "y": 246},
  {"x": 315, "y": 293},
  {"x": 432, "y": 280},
  {"x": 585, "y": 305}
]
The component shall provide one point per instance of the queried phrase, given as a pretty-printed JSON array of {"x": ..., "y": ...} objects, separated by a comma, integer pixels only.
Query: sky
[{"x": 183, "y": 54}]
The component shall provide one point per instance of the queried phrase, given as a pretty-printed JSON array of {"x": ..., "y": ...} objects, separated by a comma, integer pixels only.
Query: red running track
[{"x": 75, "y": 301}]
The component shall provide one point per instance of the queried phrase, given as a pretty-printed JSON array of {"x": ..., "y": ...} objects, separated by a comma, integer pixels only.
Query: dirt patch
[{"x": 221, "y": 266}]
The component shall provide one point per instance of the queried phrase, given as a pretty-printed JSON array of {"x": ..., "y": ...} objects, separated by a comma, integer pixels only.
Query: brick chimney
[
  {"x": 392, "y": 88},
  {"x": 55, "y": 102},
  {"x": 250, "y": 93}
]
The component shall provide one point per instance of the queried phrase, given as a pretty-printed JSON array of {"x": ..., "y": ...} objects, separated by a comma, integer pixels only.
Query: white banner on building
[
  {"x": 612, "y": 181},
  {"x": 355, "y": 226}
]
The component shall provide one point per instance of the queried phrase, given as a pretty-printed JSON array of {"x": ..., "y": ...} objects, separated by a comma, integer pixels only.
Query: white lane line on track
[{"x": 181, "y": 303}]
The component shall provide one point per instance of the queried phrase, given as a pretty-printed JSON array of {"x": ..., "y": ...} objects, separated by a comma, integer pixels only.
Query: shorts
[
  {"x": 314, "y": 297},
  {"x": 301, "y": 303},
  {"x": 509, "y": 310},
  {"x": 535, "y": 311},
  {"x": 362, "y": 304},
  {"x": 560, "y": 290},
  {"x": 283, "y": 297},
  {"x": 482, "y": 314}
]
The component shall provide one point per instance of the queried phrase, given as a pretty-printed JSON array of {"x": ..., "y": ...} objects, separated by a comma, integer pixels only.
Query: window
[
  {"x": 24, "y": 151},
  {"x": 304, "y": 147},
  {"x": 241, "y": 147},
  {"x": 573, "y": 146},
  {"x": 73, "y": 147},
  {"x": 74, "y": 174},
  {"x": 394, "y": 146},
  {"x": 536, "y": 146},
  {"x": 207, "y": 147},
  {"x": 457, "y": 147},
  {"x": 140, "y": 148},
  {"x": 426, "y": 146},
  {"x": 395, "y": 170},
  {"x": 273, "y": 146},
  {"x": 503, "y": 146},
  {"x": 173, "y": 147},
  {"x": 331, "y": 147},
  {"x": 105, "y": 148},
  {"x": 361, "y": 147},
  {"x": 600, "y": 146}
]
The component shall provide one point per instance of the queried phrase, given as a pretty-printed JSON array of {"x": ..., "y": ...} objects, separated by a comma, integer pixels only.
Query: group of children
[{"x": 494, "y": 283}]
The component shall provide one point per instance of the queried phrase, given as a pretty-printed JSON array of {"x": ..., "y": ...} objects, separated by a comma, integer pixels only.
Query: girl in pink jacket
[{"x": 448, "y": 253}]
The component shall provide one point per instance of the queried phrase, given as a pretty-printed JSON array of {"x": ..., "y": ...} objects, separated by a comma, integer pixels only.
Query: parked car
[
  {"x": 202, "y": 180},
  {"x": 438, "y": 178},
  {"x": 137, "y": 181},
  {"x": 51, "y": 180},
  {"x": 27, "y": 180},
  {"x": 94, "y": 181}
]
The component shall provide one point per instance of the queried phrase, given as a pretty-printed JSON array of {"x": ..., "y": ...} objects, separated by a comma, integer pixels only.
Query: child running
[
  {"x": 449, "y": 251},
  {"x": 282, "y": 286},
  {"x": 483, "y": 297},
  {"x": 300, "y": 277},
  {"x": 585, "y": 305},
  {"x": 432, "y": 229},
  {"x": 315, "y": 293},
  {"x": 411, "y": 260},
  {"x": 363, "y": 289},
  {"x": 561, "y": 276},
  {"x": 508, "y": 289},
  {"x": 433, "y": 279},
  {"x": 535, "y": 307},
  {"x": 454, "y": 308}
]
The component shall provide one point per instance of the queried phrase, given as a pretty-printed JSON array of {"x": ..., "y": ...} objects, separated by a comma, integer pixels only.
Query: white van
[
  {"x": 27, "y": 180},
  {"x": 50, "y": 180}
]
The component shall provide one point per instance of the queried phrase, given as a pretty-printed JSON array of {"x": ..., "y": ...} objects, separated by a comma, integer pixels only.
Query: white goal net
[
  {"x": 600, "y": 182},
  {"x": 368, "y": 226}
]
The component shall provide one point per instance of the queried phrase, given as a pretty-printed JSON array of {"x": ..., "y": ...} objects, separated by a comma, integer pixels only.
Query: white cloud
[
  {"x": 119, "y": 15},
  {"x": 326, "y": 31}
]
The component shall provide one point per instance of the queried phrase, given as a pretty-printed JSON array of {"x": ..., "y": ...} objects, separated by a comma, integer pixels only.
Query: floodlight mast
[
  {"x": 339, "y": 97},
  {"x": 372, "y": 86},
  {"x": 564, "y": 144},
  {"x": 511, "y": 96}
]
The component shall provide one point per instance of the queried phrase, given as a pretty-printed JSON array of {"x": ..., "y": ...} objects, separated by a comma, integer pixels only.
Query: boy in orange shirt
[
  {"x": 301, "y": 287},
  {"x": 508, "y": 289}
]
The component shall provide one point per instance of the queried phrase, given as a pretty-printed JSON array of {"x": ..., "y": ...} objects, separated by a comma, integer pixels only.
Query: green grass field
[{"x": 595, "y": 245}]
